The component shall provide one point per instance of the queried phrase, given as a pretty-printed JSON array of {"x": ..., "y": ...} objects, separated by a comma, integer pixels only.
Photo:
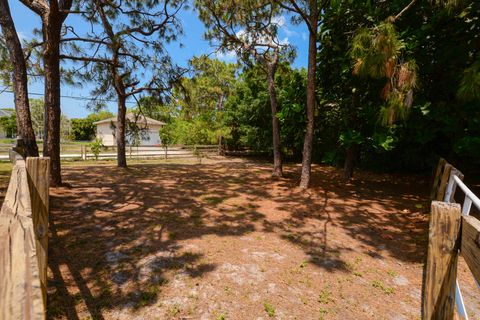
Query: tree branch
[
  {"x": 64, "y": 8},
  {"x": 142, "y": 89},
  {"x": 40, "y": 7},
  {"x": 100, "y": 41},
  {"x": 399, "y": 15},
  {"x": 86, "y": 59},
  {"x": 296, "y": 9}
]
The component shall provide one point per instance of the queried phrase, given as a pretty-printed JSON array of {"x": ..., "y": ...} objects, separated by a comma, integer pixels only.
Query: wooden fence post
[
  {"x": 436, "y": 179},
  {"x": 443, "y": 182},
  {"x": 441, "y": 268},
  {"x": 471, "y": 244},
  {"x": 38, "y": 172}
]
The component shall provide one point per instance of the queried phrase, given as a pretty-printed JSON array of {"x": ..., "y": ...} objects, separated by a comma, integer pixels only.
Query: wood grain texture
[
  {"x": 38, "y": 170},
  {"x": 20, "y": 287},
  {"x": 436, "y": 179},
  {"x": 442, "y": 187},
  {"x": 442, "y": 257},
  {"x": 471, "y": 244}
]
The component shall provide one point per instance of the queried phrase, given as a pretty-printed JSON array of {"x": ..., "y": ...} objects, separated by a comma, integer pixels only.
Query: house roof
[{"x": 140, "y": 119}]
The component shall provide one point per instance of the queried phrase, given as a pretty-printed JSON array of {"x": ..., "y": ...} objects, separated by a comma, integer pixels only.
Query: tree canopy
[{"x": 391, "y": 85}]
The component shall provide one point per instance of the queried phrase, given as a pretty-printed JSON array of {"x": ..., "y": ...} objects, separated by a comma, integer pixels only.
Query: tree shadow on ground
[
  {"x": 117, "y": 236},
  {"x": 374, "y": 214}
]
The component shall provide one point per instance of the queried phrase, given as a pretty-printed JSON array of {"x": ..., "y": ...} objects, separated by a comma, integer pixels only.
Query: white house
[{"x": 149, "y": 130}]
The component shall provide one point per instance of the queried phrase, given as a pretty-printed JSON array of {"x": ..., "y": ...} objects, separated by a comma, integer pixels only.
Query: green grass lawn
[
  {"x": 5, "y": 169},
  {"x": 5, "y": 172},
  {"x": 67, "y": 147},
  {"x": 7, "y": 141}
]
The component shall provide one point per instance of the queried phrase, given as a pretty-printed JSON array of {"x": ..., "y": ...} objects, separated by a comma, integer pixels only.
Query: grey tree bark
[
  {"x": 19, "y": 80},
  {"x": 277, "y": 154},
  {"x": 311, "y": 80},
  {"x": 53, "y": 13}
]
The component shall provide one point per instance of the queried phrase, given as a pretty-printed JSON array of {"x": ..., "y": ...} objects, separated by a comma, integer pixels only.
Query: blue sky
[{"x": 193, "y": 42}]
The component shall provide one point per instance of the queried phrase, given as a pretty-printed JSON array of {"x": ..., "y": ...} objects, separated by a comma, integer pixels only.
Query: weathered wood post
[
  {"x": 23, "y": 240},
  {"x": 38, "y": 184},
  {"x": 441, "y": 268},
  {"x": 436, "y": 178},
  {"x": 471, "y": 244},
  {"x": 443, "y": 182}
]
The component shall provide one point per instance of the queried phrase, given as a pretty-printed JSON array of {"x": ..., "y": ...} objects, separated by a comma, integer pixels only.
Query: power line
[{"x": 71, "y": 97}]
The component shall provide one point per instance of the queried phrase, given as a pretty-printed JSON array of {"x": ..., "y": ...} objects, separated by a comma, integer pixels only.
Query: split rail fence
[
  {"x": 24, "y": 240},
  {"x": 452, "y": 232},
  {"x": 71, "y": 151}
]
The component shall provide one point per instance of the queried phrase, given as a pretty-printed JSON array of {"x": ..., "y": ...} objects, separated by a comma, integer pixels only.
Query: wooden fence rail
[
  {"x": 24, "y": 241},
  {"x": 84, "y": 152},
  {"x": 451, "y": 232}
]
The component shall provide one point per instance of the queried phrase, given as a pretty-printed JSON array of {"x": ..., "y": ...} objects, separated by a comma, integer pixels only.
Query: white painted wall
[
  {"x": 153, "y": 136},
  {"x": 105, "y": 132}
]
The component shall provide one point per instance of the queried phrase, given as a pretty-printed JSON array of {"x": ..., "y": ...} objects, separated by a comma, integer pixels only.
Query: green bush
[{"x": 96, "y": 147}]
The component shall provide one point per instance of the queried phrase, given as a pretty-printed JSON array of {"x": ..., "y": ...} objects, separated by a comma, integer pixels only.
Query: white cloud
[
  {"x": 240, "y": 33},
  {"x": 284, "y": 41},
  {"x": 226, "y": 56},
  {"x": 260, "y": 37},
  {"x": 279, "y": 20}
]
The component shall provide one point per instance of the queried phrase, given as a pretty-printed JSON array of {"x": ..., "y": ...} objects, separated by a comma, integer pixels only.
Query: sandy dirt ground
[{"x": 223, "y": 240}]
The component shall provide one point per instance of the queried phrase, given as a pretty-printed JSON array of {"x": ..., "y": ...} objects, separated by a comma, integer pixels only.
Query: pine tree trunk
[
  {"x": 308, "y": 141},
  {"x": 221, "y": 149},
  {"x": 51, "y": 141},
  {"x": 120, "y": 132},
  {"x": 353, "y": 149},
  {"x": 19, "y": 79},
  {"x": 277, "y": 155},
  {"x": 350, "y": 159}
]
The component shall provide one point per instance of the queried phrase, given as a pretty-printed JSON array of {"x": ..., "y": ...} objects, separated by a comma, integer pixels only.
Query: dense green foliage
[
  {"x": 166, "y": 138},
  {"x": 248, "y": 115},
  {"x": 403, "y": 92},
  {"x": 195, "y": 113},
  {"x": 8, "y": 124},
  {"x": 83, "y": 129},
  {"x": 440, "y": 44},
  {"x": 96, "y": 147},
  {"x": 220, "y": 100},
  {"x": 394, "y": 91}
]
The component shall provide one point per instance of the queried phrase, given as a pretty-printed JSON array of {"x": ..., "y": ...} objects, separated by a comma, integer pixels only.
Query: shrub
[{"x": 96, "y": 146}]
